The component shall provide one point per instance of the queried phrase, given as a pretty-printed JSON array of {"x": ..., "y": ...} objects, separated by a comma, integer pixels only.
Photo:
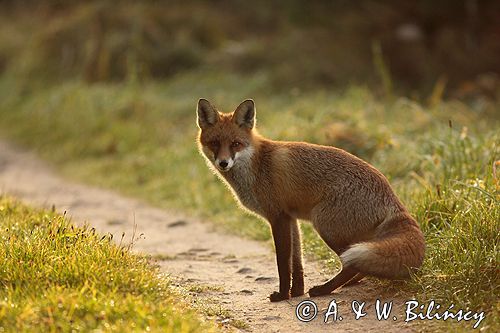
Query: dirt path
[{"x": 240, "y": 273}]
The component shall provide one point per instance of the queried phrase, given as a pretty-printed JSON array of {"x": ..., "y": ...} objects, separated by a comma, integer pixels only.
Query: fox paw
[{"x": 276, "y": 296}]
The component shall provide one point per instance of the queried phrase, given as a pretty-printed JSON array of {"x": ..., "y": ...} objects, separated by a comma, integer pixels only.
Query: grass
[
  {"x": 459, "y": 211},
  {"x": 56, "y": 277}
]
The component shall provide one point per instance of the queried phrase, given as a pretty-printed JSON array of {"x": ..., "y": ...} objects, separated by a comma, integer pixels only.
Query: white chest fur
[{"x": 241, "y": 179}]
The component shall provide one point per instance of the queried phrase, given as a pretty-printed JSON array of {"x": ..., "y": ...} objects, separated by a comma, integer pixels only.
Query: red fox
[{"x": 349, "y": 202}]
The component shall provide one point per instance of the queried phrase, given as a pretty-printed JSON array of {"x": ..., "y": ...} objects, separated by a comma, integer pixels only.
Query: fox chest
[
  {"x": 242, "y": 186},
  {"x": 249, "y": 201}
]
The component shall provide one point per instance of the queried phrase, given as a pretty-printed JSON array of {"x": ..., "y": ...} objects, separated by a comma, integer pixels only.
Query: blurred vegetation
[{"x": 296, "y": 43}]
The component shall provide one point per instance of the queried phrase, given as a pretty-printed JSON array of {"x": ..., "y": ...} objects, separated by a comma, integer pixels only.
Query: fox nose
[{"x": 223, "y": 164}]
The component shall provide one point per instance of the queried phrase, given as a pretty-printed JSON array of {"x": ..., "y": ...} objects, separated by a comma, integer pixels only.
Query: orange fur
[{"x": 349, "y": 202}]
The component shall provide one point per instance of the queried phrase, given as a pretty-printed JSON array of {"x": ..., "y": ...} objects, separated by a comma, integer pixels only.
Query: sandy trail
[{"x": 240, "y": 273}]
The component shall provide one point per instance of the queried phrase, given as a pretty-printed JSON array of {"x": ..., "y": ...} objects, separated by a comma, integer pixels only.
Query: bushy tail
[{"x": 397, "y": 248}]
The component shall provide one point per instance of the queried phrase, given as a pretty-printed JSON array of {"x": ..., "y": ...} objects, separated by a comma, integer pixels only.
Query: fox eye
[{"x": 235, "y": 144}]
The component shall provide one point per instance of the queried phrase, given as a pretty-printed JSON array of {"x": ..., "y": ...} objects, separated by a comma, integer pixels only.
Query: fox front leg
[
  {"x": 297, "y": 266},
  {"x": 282, "y": 234}
]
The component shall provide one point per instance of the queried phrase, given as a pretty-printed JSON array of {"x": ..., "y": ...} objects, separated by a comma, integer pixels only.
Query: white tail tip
[{"x": 355, "y": 252}]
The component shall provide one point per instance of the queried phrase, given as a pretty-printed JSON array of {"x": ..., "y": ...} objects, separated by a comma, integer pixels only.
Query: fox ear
[
  {"x": 244, "y": 115},
  {"x": 207, "y": 115}
]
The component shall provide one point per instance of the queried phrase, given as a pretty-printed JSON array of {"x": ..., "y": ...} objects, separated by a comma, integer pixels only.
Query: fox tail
[{"x": 397, "y": 249}]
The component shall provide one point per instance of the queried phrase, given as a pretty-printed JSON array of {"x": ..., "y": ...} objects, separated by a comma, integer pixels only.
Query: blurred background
[{"x": 405, "y": 46}]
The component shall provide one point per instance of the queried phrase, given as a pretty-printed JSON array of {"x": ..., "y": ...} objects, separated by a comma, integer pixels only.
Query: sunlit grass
[
  {"x": 56, "y": 277},
  {"x": 459, "y": 211}
]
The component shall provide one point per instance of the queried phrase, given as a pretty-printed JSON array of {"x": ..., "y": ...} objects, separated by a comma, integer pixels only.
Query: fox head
[{"x": 226, "y": 138}]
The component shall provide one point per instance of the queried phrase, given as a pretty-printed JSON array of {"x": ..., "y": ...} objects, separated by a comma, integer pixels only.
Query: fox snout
[
  {"x": 224, "y": 164},
  {"x": 223, "y": 156}
]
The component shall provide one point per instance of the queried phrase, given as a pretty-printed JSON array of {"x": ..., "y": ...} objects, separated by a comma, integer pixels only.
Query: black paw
[{"x": 276, "y": 296}]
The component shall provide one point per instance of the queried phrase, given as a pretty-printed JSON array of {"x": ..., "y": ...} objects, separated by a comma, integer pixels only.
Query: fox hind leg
[
  {"x": 358, "y": 277},
  {"x": 338, "y": 280}
]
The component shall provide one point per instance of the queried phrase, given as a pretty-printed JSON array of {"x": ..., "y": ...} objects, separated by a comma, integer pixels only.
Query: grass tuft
[{"x": 58, "y": 277}]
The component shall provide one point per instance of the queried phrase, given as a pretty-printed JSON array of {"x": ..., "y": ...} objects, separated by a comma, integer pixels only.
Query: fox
[{"x": 348, "y": 201}]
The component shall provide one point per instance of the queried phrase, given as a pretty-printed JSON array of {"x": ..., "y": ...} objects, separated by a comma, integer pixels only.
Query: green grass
[
  {"x": 56, "y": 277},
  {"x": 140, "y": 139},
  {"x": 460, "y": 214}
]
